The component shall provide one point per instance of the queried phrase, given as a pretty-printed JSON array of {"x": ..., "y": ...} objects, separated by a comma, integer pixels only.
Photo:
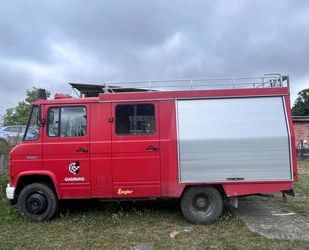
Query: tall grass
[{"x": 5, "y": 149}]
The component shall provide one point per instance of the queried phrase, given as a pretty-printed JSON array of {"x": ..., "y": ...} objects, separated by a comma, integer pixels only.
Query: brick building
[{"x": 301, "y": 127}]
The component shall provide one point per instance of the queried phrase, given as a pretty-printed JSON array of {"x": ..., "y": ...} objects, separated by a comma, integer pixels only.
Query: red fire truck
[{"x": 200, "y": 141}]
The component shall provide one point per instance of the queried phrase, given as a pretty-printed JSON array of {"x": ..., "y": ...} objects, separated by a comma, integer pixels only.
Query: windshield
[{"x": 32, "y": 130}]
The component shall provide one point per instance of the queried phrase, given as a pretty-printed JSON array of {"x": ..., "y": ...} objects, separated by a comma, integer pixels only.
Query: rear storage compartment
[{"x": 233, "y": 139}]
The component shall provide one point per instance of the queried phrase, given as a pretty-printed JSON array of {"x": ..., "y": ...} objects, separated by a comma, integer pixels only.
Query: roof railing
[{"x": 265, "y": 81}]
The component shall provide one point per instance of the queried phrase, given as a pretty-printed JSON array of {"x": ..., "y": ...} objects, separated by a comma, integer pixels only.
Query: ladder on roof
[{"x": 265, "y": 81}]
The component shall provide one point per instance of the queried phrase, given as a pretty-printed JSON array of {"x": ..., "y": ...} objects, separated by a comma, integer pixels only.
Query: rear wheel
[
  {"x": 37, "y": 202},
  {"x": 202, "y": 205}
]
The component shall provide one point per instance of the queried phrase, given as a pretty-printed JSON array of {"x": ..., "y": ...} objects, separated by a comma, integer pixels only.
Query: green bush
[{"x": 4, "y": 154}]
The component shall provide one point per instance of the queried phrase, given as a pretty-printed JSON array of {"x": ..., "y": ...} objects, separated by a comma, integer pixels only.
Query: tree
[
  {"x": 301, "y": 105},
  {"x": 20, "y": 113}
]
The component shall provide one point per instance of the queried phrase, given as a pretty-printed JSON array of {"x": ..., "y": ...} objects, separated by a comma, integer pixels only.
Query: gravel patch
[{"x": 273, "y": 222}]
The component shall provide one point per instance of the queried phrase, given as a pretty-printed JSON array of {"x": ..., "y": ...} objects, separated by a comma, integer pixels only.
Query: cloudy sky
[{"x": 49, "y": 43}]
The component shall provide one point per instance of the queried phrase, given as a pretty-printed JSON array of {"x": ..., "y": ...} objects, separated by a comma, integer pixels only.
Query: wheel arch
[
  {"x": 45, "y": 177},
  {"x": 219, "y": 187}
]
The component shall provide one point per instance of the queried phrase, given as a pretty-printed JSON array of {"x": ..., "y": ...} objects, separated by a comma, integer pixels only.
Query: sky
[{"x": 47, "y": 44}]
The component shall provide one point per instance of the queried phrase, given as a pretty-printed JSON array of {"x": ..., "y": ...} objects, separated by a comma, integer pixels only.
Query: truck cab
[{"x": 71, "y": 150}]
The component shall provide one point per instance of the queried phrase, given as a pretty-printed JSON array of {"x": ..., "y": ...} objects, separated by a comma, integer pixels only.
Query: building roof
[{"x": 300, "y": 118}]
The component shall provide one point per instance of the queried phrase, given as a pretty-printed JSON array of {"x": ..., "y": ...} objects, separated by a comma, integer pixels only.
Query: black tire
[
  {"x": 37, "y": 202},
  {"x": 202, "y": 205}
]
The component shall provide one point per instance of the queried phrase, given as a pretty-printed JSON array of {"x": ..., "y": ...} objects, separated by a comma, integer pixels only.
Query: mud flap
[
  {"x": 233, "y": 201},
  {"x": 289, "y": 192}
]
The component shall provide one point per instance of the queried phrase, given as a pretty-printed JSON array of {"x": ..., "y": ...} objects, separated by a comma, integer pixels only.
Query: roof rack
[{"x": 266, "y": 81}]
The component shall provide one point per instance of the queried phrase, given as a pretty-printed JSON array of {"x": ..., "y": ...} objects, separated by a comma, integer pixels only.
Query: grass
[
  {"x": 4, "y": 151},
  {"x": 98, "y": 225},
  {"x": 299, "y": 203}
]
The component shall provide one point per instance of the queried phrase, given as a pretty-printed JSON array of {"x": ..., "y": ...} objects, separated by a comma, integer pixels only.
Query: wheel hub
[
  {"x": 36, "y": 203},
  {"x": 201, "y": 203}
]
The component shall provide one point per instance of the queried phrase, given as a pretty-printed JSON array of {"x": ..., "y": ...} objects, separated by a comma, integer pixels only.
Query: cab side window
[
  {"x": 66, "y": 122},
  {"x": 135, "y": 119}
]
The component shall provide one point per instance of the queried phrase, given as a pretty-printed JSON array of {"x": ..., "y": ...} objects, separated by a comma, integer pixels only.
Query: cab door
[
  {"x": 136, "y": 149},
  {"x": 66, "y": 149}
]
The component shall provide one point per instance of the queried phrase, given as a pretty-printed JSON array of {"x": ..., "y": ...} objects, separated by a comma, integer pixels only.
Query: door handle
[
  {"x": 152, "y": 148},
  {"x": 82, "y": 150}
]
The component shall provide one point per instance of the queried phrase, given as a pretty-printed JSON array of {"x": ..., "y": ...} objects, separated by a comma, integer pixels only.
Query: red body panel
[
  {"x": 235, "y": 189},
  {"x": 23, "y": 158},
  {"x": 169, "y": 155},
  {"x": 292, "y": 138},
  {"x": 134, "y": 168},
  {"x": 101, "y": 150},
  {"x": 59, "y": 152},
  {"x": 118, "y": 166}
]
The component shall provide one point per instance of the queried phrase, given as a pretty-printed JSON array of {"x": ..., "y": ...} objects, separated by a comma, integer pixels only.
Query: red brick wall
[{"x": 301, "y": 131}]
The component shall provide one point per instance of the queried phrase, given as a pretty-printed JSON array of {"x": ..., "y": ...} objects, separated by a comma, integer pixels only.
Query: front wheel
[
  {"x": 37, "y": 202},
  {"x": 202, "y": 205}
]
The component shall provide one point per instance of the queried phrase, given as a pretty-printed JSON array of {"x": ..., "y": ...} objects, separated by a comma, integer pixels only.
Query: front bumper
[{"x": 10, "y": 191}]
